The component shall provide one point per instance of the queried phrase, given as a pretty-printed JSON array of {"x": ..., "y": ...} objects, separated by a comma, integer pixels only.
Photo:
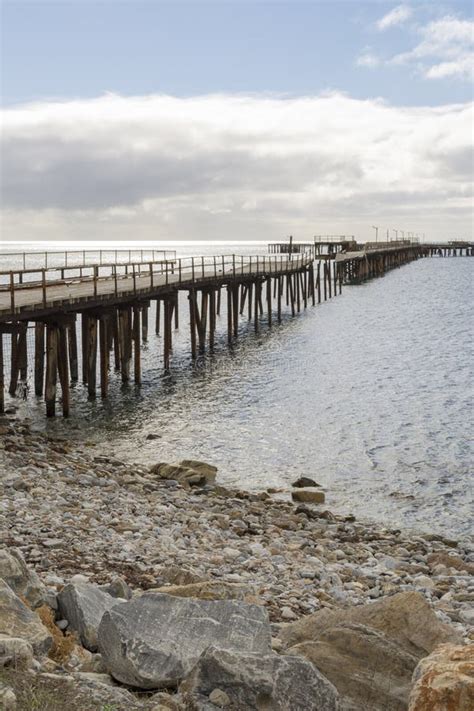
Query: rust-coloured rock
[{"x": 444, "y": 681}]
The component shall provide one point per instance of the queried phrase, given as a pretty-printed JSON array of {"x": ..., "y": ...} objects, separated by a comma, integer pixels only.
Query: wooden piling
[
  {"x": 235, "y": 310},
  {"x": 291, "y": 295},
  {"x": 249, "y": 296},
  {"x": 136, "y": 345},
  {"x": 92, "y": 356},
  {"x": 192, "y": 321},
  {"x": 23, "y": 352},
  {"x": 124, "y": 338},
  {"x": 14, "y": 364},
  {"x": 168, "y": 338},
  {"x": 258, "y": 287},
  {"x": 229, "y": 315},
  {"x": 201, "y": 320},
  {"x": 144, "y": 317},
  {"x": 72, "y": 351},
  {"x": 212, "y": 318},
  {"x": 51, "y": 369},
  {"x": 63, "y": 368},
  {"x": 279, "y": 292},
  {"x": 39, "y": 358},
  {"x": 84, "y": 345},
  {"x": 176, "y": 310},
  {"x": 269, "y": 300},
  {"x": 157, "y": 318},
  {"x": 104, "y": 325}
]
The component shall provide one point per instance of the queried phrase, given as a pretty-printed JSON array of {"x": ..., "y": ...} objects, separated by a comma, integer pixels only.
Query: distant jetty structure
[{"x": 110, "y": 295}]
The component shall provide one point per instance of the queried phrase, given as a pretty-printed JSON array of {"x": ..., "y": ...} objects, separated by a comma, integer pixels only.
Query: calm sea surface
[{"x": 369, "y": 393}]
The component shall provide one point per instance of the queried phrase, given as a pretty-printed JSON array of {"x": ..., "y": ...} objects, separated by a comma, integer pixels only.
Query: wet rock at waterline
[
  {"x": 154, "y": 640},
  {"x": 258, "y": 681},
  {"x": 308, "y": 496},
  {"x": 304, "y": 482},
  {"x": 189, "y": 472}
]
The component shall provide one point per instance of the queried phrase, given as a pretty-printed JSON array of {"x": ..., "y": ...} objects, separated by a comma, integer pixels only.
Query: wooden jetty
[{"x": 113, "y": 303}]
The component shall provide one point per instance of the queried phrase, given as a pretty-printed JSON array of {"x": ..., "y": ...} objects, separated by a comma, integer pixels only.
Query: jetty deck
[{"x": 24, "y": 298}]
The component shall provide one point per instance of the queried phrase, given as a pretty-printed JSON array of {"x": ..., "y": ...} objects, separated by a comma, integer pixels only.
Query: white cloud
[
  {"x": 368, "y": 59},
  {"x": 395, "y": 17},
  {"x": 237, "y": 167},
  {"x": 445, "y": 49}
]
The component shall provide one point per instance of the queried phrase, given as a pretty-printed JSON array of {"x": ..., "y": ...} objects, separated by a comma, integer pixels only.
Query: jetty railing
[
  {"x": 44, "y": 286},
  {"x": 84, "y": 257}
]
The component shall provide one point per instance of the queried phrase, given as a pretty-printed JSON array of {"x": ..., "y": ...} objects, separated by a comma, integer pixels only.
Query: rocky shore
[{"x": 128, "y": 587}]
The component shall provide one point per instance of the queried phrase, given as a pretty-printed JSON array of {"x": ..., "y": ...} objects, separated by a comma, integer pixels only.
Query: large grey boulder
[
  {"x": 257, "y": 682},
  {"x": 369, "y": 652},
  {"x": 154, "y": 640},
  {"x": 82, "y": 605},
  {"x": 21, "y": 579},
  {"x": 17, "y": 620}
]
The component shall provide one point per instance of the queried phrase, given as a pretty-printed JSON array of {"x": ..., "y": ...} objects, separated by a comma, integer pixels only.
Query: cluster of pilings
[
  {"x": 111, "y": 335},
  {"x": 460, "y": 250},
  {"x": 359, "y": 266}
]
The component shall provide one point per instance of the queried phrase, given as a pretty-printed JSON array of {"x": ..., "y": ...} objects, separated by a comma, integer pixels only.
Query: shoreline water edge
[{"x": 235, "y": 599}]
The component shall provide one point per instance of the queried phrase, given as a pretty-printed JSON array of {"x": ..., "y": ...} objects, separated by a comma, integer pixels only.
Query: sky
[{"x": 130, "y": 120}]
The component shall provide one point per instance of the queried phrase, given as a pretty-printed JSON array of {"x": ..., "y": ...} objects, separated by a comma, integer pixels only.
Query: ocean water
[{"x": 369, "y": 393}]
